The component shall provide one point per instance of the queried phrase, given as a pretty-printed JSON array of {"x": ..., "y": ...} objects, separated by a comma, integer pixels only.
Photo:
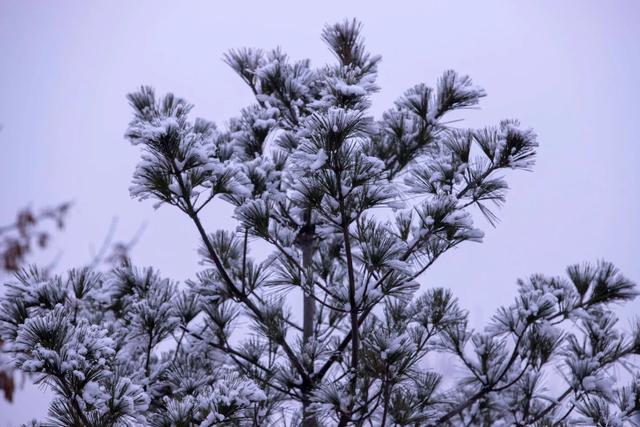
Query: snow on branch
[{"x": 354, "y": 210}]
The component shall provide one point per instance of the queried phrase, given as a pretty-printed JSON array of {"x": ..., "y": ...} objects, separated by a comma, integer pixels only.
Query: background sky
[{"x": 568, "y": 69}]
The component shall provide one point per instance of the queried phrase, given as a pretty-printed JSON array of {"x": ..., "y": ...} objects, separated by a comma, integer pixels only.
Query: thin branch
[
  {"x": 355, "y": 344},
  {"x": 225, "y": 275},
  {"x": 106, "y": 243}
]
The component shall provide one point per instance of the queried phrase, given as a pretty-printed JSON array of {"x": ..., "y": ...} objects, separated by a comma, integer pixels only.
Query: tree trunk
[
  {"x": 309, "y": 313},
  {"x": 309, "y": 305}
]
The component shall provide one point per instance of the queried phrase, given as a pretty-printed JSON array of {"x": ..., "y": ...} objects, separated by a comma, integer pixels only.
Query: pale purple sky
[{"x": 568, "y": 69}]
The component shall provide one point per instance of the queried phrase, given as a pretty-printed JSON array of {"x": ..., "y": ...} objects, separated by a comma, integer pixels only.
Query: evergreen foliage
[{"x": 355, "y": 210}]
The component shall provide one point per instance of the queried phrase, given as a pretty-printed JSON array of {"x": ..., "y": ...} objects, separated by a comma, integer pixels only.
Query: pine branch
[
  {"x": 225, "y": 275},
  {"x": 353, "y": 304}
]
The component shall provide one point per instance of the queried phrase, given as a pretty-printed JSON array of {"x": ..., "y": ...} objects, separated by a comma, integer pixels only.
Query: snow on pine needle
[{"x": 354, "y": 210}]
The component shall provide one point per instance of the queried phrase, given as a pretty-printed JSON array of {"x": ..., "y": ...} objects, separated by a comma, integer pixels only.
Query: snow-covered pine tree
[{"x": 355, "y": 210}]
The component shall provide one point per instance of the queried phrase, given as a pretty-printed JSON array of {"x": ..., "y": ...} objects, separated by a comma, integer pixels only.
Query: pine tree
[{"x": 355, "y": 211}]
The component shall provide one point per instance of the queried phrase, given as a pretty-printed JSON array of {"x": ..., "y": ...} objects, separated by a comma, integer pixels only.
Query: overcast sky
[{"x": 568, "y": 69}]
